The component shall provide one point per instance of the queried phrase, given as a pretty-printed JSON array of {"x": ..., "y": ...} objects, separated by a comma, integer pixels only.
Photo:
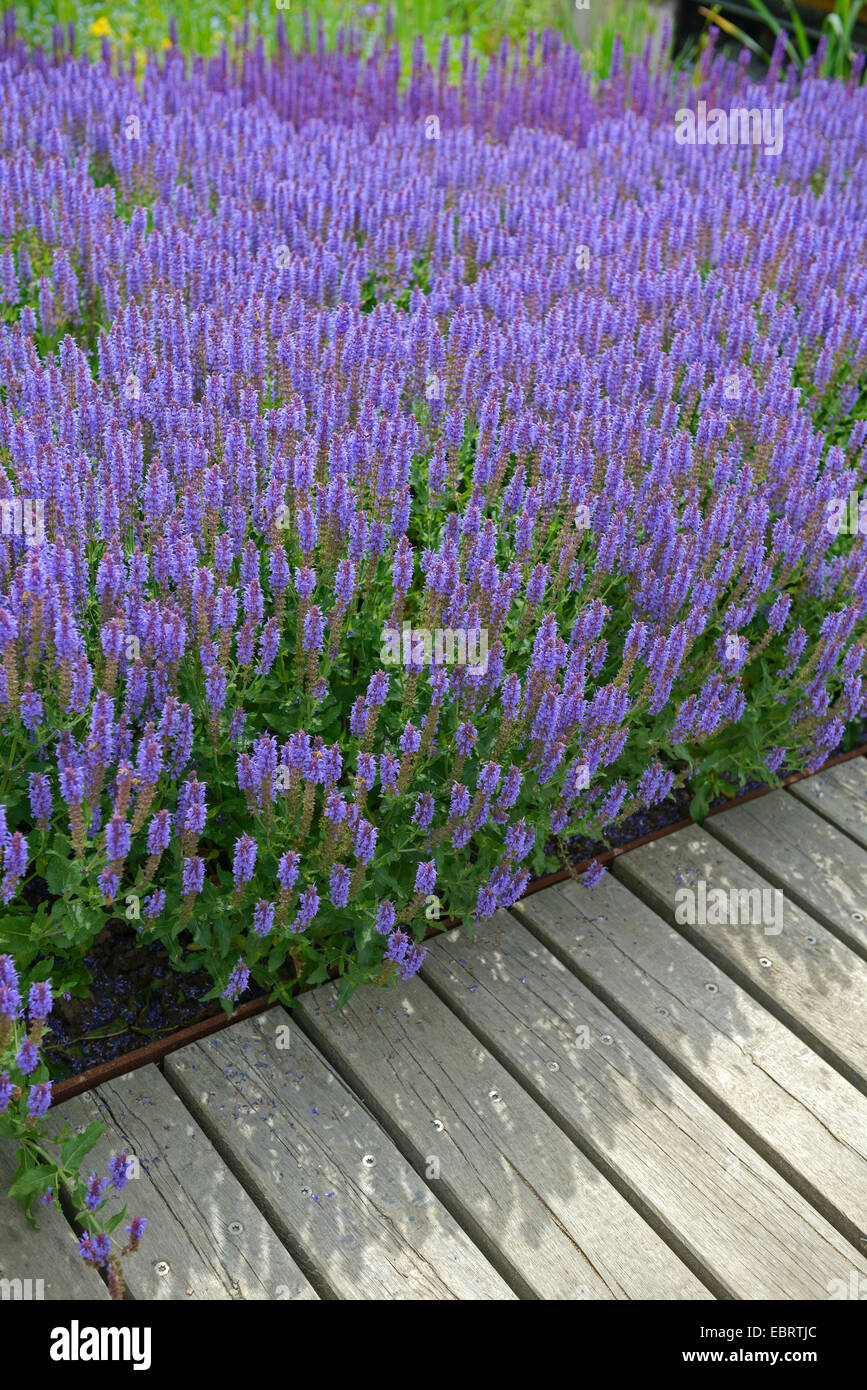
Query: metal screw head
[
  {"x": 858, "y": 916},
  {"x": 305, "y": 1191},
  {"x": 763, "y": 961},
  {"x": 495, "y": 1095},
  {"x": 438, "y": 1125},
  {"x": 161, "y": 1267},
  {"x": 606, "y": 1039},
  {"x": 368, "y": 1160},
  {"x": 662, "y": 1011},
  {"x": 235, "y": 1227},
  {"x": 810, "y": 940},
  {"x": 711, "y": 988},
  {"x": 553, "y": 1066}
]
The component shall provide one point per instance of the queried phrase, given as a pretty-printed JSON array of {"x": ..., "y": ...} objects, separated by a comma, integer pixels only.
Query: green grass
[{"x": 202, "y": 29}]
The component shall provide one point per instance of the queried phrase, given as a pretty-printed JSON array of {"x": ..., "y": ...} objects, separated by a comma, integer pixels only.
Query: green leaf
[
  {"x": 115, "y": 1221},
  {"x": 26, "y": 1184},
  {"x": 700, "y": 803},
  {"x": 74, "y": 1149}
]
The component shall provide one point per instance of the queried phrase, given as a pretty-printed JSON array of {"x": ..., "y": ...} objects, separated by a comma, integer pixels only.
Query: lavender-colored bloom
[
  {"x": 153, "y": 904},
  {"x": 377, "y": 690},
  {"x": 519, "y": 840},
  {"x": 238, "y": 981},
  {"x": 39, "y": 1099},
  {"x": 411, "y": 962},
  {"x": 244, "y": 864},
  {"x": 366, "y": 770},
  {"x": 117, "y": 838},
  {"x": 305, "y": 582},
  {"x": 385, "y": 918},
  {"x": 236, "y": 724},
  {"x": 287, "y": 870},
  {"x": 39, "y": 1002},
  {"x": 95, "y": 1249},
  {"x": 263, "y": 917},
  {"x": 593, "y": 874},
  {"x": 338, "y": 885},
  {"x": 6, "y": 1090},
  {"x": 425, "y": 877},
  {"x": 10, "y": 1002},
  {"x": 15, "y": 856},
  {"x": 314, "y": 628},
  {"x": 398, "y": 944},
  {"x": 410, "y": 740},
  {"x": 308, "y": 906},
  {"x": 364, "y": 841},
  {"x": 465, "y": 738},
  {"x": 159, "y": 832},
  {"x": 72, "y": 785},
  {"x": 41, "y": 801},
  {"x": 32, "y": 709},
  {"x": 389, "y": 771},
  {"x": 510, "y": 789},
  {"x": 135, "y": 1230},
  {"x": 118, "y": 1166},
  {"x": 424, "y": 811},
  {"x": 109, "y": 883},
  {"x": 193, "y": 877},
  {"x": 28, "y": 1057}
]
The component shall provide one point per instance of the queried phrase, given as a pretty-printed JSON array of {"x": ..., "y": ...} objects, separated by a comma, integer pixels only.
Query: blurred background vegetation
[{"x": 202, "y": 28}]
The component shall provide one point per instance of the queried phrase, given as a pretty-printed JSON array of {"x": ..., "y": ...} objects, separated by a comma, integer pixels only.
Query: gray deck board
[
  {"x": 782, "y": 1097},
  {"x": 745, "y": 1231},
  {"x": 812, "y": 981},
  {"x": 840, "y": 795},
  {"x": 299, "y": 1136},
  {"x": 815, "y": 864},
  {"x": 49, "y": 1254},
  {"x": 206, "y": 1260},
  {"x": 517, "y": 1181}
]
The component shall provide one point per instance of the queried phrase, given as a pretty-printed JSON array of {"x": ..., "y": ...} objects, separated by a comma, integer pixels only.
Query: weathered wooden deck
[{"x": 583, "y": 1102}]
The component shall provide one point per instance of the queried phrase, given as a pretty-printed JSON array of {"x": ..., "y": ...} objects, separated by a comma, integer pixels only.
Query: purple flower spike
[
  {"x": 39, "y": 1099},
  {"x": 244, "y": 864}
]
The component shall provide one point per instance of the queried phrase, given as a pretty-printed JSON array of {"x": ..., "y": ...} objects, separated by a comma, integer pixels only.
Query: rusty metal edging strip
[{"x": 156, "y": 1051}]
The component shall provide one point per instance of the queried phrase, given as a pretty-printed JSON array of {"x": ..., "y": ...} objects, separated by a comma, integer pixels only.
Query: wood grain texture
[
  {"x": 814, "y": 983},
  {"x": 745, "y": 1231},
  {"x": 191, "y": 1200},
  {"x": 815, "y": 864},
  {"x": 50, "y": 1254},
  {"x": 804, "y": 1118},
  {"x": 840, "y": 795},
  {"x": 298, "y": 1137},
  {"x": 527, "y": 1194}
]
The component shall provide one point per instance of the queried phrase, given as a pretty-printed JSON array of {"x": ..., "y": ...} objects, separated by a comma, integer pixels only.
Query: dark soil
[{"x": 135, "y": 999}]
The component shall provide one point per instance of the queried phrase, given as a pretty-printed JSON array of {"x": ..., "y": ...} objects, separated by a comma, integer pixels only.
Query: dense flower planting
[{"x": 398, "y": 477}]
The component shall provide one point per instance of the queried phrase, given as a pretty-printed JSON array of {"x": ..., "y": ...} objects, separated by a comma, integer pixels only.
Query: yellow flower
[{"x": 100, "y": 27}]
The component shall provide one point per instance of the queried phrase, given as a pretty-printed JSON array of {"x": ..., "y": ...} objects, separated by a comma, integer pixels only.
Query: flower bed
[{"x": 395, "y": 480}]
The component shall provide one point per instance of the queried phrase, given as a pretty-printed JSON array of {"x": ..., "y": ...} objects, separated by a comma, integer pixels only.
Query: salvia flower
[
  {"x": 245, "y": 860},
  {"x": 263, "y": 917}
]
